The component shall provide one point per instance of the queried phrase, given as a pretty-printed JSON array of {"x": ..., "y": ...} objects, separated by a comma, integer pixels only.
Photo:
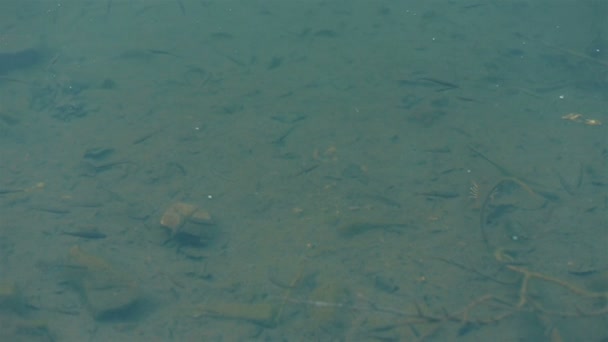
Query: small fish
[{"x": 86, "y": 234}]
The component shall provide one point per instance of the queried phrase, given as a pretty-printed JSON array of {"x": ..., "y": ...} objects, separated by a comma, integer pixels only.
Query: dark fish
[
  {"x": 10, "y": 61},
  {"x": 86, "y": 234}
]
